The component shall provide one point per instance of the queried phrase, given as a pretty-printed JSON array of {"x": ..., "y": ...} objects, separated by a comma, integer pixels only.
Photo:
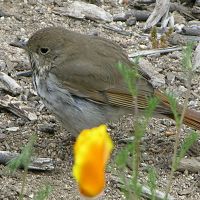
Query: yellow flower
[{"x": 92, "y": 151}]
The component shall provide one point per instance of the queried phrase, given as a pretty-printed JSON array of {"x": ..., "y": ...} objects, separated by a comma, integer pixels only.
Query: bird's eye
[{"x": 44, "y": 50}]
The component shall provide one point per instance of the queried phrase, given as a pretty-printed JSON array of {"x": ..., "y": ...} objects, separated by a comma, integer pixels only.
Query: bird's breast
[{"x": 76, "y": 113}]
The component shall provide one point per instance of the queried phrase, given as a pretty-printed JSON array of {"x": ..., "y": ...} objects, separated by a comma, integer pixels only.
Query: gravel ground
[{"x": 25, "y": 17}]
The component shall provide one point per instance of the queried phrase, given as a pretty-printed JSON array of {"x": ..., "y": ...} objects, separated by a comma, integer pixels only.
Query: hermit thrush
[{"x": 77, "y": 79}]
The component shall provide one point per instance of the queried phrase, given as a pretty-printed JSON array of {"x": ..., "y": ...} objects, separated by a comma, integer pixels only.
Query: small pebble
[
  {"x": 182, "y": 89},
  {"x": 120, "y": 17},
  {"x": 20, "y": 122},
  {"x": 12, "y": 129},
  {"x": 2, "y": 137},
  {"x": 47, "y": 128},
  {"x": 2, "y": 65},
  {"x": 171, "y": 77},
  {"x": 32, "y": 116},
  {"x": 131, "y": 21}
]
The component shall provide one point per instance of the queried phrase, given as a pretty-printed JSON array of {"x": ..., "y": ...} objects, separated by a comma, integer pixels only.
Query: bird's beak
[{"x": 22, "y": 44}]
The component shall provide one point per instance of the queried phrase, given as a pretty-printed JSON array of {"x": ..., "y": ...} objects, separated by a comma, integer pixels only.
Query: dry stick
[
  {"x": 182, "y": 10},
  {"x": 193, "y": 30},
  {"x": 161, "y": 8},
  {"x": 41, "y": 164},
  {"x": 116, "y": 29},
  {"x": 178, "y": 132},
  {"x": 145, "y": 1},
  {"x": 154, "y": 51},
  {"x": 10, "y": 84},
  {"x": 16, "y": 107}
]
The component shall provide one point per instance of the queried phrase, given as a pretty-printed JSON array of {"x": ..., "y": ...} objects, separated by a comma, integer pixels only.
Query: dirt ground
[{"x": 53, "y": 141}]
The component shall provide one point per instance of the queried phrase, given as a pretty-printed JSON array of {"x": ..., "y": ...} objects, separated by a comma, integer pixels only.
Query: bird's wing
[
  {"x": 103, "y": 86},
  {"x": 90, "y": 71}
]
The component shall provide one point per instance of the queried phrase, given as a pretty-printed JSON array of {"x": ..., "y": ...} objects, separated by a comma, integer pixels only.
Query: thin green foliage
[
  {"x": 132, "y": 189},
  {"x": 43, "y": 193},
  {"x": 140, "y": 127},
  {"x": 130, "y": 76},
  {"x": 173, "y": 106},
  {"x": 152, "y": 182},
  {"x": 188, "y": 142},
  {"x": 24, "y": 159},
  {"x": 152, "y": 103},
  {"x": 188, "y": 71},
  {"x": 123, "y": 156},
  {"x": 141, "y": 124},
  {"x": 134, "y": 184},
  {"x": 187, "y": 56}
]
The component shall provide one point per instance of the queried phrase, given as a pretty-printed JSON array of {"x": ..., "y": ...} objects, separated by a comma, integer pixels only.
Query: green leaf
[
  {"x": 152, "y": 103},
  {"x": 43, "y": 193},
  {"x": 173, "y": 106},
  {"x": 130, "y": 76},
  {"x": 24, "y": 159},
  {"x": 188, "y": 142},
  {"x": 187, "y": 56},
  {"x": 123, "y": 156},
  {"x": 152, "y": 181}
]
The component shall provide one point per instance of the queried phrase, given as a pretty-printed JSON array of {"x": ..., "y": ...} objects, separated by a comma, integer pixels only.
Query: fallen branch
[
  {"x": 145, "y": 1},
  {"x": 154, "y": 51},
  {"x": 13, "y": 105},
  {"x": 116, "y": 29},
  {"x": 179, "y": 39},
  {"x": 191, "y": 30},
  {"x": 41, "y": 164},
  {"x": 161, "y": 9},
  {"x": 25, "y": 73},
  {"x": 11, "y": 85},
  {"x": 19, "y": 43},
  {"x": 182, "y": 9},
  {"x": 140, "y": 15},
  {"x": 83, "y": 10}
]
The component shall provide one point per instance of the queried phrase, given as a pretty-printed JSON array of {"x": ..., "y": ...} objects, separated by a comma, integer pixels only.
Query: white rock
[
  {"x": 171, "y": 77},
  {"x": 196, "y": 60},
  {"x": 83, "y": 10},
  {"x": 32, "y": 116},
  {"x": 12, "y": 129},
  {"x": 157, "y": 79}
]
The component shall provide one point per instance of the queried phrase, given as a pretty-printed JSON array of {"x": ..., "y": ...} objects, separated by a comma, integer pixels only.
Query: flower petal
[{"x": 92, "y": 150}]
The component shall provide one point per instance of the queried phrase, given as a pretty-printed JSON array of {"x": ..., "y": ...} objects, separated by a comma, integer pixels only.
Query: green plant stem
[
  {"x": 21, "y": 197},
  {"x": 136, "y": 149},
  {"x": 135, "y": 102},
  {"x": 130, "y": 193},
  {"x": 137, "y": 158},
  {"x": 178, "y": 132}
]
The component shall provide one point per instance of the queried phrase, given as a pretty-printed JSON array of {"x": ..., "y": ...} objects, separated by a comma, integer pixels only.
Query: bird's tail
[{"x": 191, "y": 117}]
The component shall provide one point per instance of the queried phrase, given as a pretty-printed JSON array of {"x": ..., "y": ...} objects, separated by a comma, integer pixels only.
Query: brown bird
[{"x": 76, "y": 77}]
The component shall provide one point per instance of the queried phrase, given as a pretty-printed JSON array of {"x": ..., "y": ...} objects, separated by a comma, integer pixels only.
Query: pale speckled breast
[{"x": 74, "y": 112}]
